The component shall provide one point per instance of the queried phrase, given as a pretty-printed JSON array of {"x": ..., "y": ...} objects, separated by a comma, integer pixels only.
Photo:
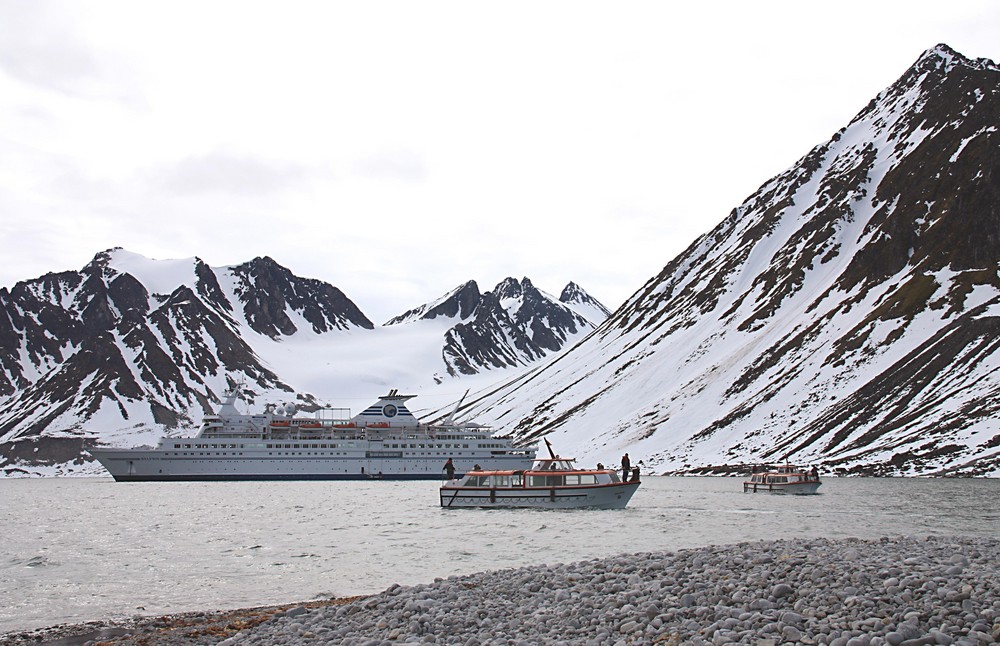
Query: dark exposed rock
[
  {"x": 268, "y": 290},
  {"x": 460, "y": 304},
  {"x": 513, "y": 325}
]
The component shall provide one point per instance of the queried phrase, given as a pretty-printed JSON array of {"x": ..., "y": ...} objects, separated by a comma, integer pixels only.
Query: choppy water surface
[{"x": 73, "y": 550}]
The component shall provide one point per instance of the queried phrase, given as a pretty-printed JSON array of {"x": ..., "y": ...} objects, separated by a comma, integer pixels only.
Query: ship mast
[{"x": 450, "y": 420}]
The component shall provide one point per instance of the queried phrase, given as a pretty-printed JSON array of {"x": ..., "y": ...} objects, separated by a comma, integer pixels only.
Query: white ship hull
[{"x": 132, "y": 465}]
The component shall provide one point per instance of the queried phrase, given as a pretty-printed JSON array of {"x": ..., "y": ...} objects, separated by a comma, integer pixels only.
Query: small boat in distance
[
  {"x": 785, "y": 478},
  {"x": 551, "y": 483}
]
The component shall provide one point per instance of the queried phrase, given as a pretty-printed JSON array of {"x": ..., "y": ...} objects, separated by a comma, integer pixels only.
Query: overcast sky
[{"x": 399, "y": 149}]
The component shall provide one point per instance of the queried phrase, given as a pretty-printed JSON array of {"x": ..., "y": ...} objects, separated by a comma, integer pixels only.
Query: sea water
[{"x": 78, "y": 549}]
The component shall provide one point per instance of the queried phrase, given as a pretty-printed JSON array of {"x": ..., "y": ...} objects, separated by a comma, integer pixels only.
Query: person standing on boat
[
  {"x": 626, "y": 467},
  {"x": 449, "y": 469}
]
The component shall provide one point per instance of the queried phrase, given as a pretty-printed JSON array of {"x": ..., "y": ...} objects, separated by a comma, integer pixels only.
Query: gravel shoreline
[{"x": 899, "y": 591}]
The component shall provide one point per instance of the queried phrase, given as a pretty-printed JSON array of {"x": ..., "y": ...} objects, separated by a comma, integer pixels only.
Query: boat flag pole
[{"x": 549, "y": 446}]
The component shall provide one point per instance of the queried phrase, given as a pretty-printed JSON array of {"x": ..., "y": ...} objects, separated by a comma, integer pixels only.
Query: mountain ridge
[
  {"x": 129, "y": 348},
  {"x": 834, "y": 317}
]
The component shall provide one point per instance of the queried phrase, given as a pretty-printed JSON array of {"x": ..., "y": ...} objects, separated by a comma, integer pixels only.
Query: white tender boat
[
  {"x": 785, "y": 478},
  {"x": 385, "y": 441},
  {"x": 551, "y": 483}
]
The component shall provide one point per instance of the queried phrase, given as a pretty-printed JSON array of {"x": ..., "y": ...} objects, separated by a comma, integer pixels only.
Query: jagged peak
[
  {"x": 264, "y": 260},
  {"x": 945, "y": 57},
  {"x": 102, "y": 260},
  {"x": 571, "y": 292},
  {"x": 467, "y": 285},
  {"x": 261, "y": 263},
  {"x": 461, "y": 302},
  {"x": 512, "y": 288}
]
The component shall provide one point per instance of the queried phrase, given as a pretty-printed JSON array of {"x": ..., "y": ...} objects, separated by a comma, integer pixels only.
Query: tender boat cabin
[{"x": 783, "y": 479}]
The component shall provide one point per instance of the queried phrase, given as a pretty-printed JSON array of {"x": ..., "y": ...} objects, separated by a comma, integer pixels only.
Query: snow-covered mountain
[
  {"x": 514, "y": 325},
  {"x": 847, "y": 314},
  {"x": 129, "y": 348}
]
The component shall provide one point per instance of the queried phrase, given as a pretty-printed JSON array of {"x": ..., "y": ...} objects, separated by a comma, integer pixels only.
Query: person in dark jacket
[
  {"x": 626, "y": 467},
  {"x": 449, "y": 469}
]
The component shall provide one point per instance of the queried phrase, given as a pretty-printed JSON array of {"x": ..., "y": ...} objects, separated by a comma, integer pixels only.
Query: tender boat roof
[{"x": 517, "y": 472}]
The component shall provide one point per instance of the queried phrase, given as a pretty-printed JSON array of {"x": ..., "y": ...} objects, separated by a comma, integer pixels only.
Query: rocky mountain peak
[
  {"x": 511, "y": 288},
  {"x": 460, "y": 303},
  {"x": 574, "y": 295},
  {"x": 512, "y": 325},
  {"x": 270, "y": 292}
]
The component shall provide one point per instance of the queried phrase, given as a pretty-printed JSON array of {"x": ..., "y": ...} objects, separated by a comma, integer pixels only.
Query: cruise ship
[{"x": 384, "y": 441}]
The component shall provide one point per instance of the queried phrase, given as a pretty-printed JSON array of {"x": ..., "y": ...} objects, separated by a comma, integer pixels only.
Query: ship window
[
  {"x": 517, "y": 480},
  {"x": 177, "y": 446}
]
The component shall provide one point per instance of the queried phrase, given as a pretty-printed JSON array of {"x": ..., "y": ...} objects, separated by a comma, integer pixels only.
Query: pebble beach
[{"x": 898, "y": 591}]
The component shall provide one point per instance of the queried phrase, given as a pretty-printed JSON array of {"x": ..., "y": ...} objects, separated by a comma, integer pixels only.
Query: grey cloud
[
  {"x": 40, "y": 46},
  {"x": 402, "y": 165},
  {"x": 227, "y": 173}
]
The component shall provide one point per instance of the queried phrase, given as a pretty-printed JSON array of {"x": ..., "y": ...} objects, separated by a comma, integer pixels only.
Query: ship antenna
[
  {"x": 450, "y": 420},
  {"x": 549, "y": 446}
]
